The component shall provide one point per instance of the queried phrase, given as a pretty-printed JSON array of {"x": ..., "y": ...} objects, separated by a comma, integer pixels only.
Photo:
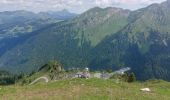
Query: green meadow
[{"x": 87, "y": 89}]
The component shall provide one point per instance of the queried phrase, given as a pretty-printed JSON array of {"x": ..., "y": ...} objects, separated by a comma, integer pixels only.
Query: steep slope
[
  {"x": 17, "y": 26},
  {"x": 152, "y": 42},
  {"x": 143, "y": 44},
  {"x": 69, "y": 42},
  {"x": 98, "y": 23}
]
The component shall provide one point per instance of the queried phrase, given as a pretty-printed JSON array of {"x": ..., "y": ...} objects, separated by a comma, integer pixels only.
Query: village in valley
[
  {"x": 118, "y": 76},
  {"x": 103, "y": 75},
  {"x": 56, "y": 73}
]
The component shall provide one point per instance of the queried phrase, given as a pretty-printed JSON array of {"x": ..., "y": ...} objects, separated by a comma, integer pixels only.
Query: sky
[{"x": 76, "y": 6}]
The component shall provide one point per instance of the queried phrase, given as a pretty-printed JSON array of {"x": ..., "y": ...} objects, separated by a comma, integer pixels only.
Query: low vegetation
[
  {"x": 87, "y": 89},
  {"x": 118, "y": 87}
]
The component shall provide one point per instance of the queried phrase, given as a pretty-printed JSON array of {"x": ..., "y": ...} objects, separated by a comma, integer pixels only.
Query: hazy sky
[{"x": 77, "y": 6}]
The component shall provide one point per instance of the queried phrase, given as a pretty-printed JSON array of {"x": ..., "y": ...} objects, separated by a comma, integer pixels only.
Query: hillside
[
  {"x": 50, "y": 72},
  {"x": 67, "y": 41},
  {"x": 143, "y": 44},
  {"x": 18, "y": 26},
  {"x": 91, "y": 89},
  {"x": 16, "y": 23}
]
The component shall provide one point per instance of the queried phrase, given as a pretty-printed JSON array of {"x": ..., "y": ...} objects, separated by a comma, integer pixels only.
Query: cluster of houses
[
  {"x": 103, "y": 75},
  {"x": 84, "y": 74}
]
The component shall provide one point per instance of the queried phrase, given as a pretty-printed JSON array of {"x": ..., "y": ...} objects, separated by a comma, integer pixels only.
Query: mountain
[
  {"x": 107, "y": 38},
  {"x": 67, "y": 41},
  {"x": 60, "y": 15},
  {"x": 14, "y": 23},
  {"x": 17, "y": 22},
  {"x": 142, "y": 45},
  {"x": 17, "y": 26}
]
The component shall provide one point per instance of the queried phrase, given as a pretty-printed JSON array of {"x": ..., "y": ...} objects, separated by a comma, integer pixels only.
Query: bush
[
  {"x": 131, "y": 77},
  {"x": 126, "y": 77}
]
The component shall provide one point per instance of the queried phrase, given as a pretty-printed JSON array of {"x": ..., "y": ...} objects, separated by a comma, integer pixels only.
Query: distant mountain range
[
  {"x": 107, "y": 38},
  {"x": 13, "y": 23},
  {"x": 60, "y": 15},
  {"x": 16, "y": 26}
]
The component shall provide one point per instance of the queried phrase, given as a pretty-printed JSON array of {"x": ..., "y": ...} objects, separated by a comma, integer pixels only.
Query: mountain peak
[{"x": 95, "y": 9}]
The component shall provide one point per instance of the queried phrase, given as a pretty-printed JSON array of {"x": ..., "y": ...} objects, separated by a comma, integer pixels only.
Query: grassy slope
[
  {"x": 98, "y": 23},
  {"x": 92, "y": 89}
]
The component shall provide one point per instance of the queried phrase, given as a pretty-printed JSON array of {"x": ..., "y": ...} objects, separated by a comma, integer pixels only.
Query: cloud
[{"x": 73, "y": 5}]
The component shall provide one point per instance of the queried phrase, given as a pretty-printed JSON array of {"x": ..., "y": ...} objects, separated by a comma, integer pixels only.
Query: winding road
[{"x": 40, "y": 78}]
